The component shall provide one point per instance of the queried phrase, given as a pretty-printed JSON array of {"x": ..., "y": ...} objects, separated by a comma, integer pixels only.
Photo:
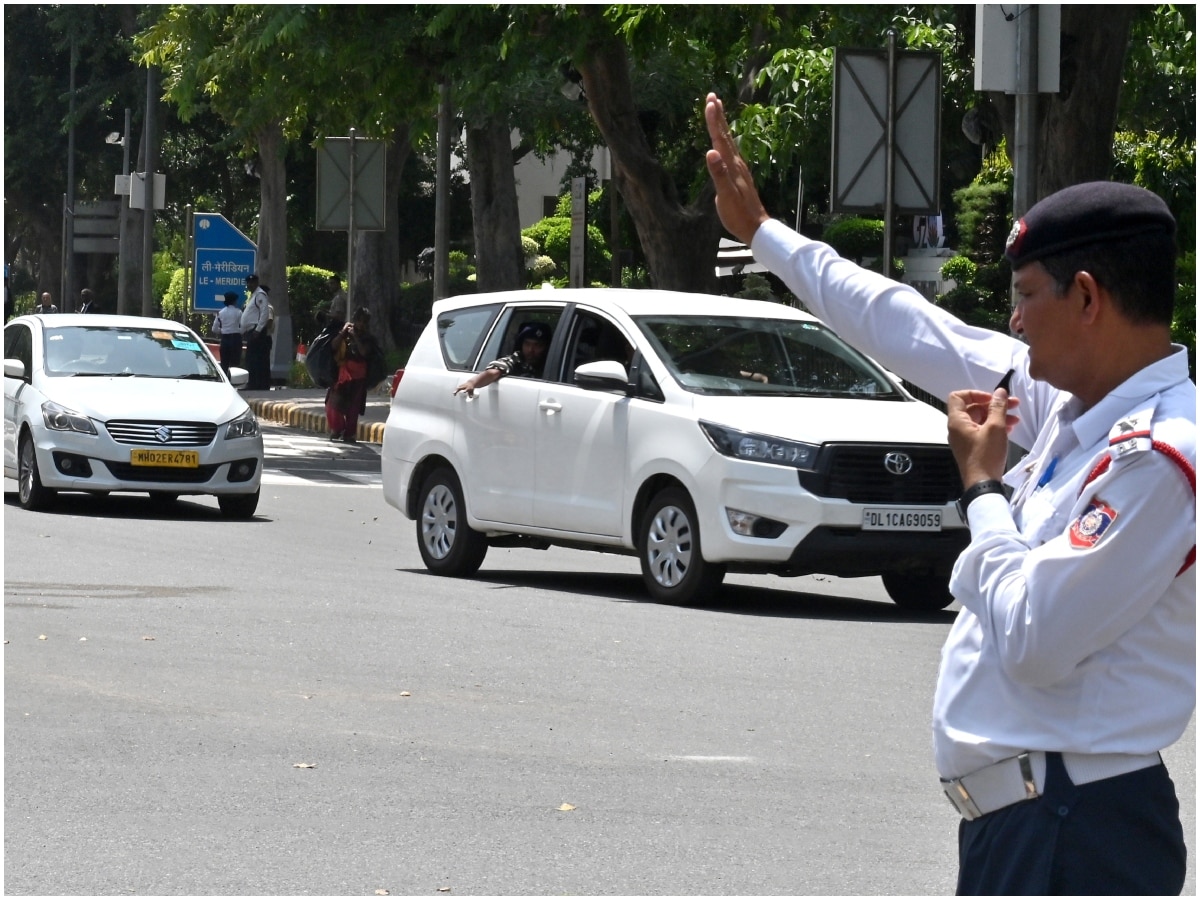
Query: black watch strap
[{"x": 977, "y": 490}]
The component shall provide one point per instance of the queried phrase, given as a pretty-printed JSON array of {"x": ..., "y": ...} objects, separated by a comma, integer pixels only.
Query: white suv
[{"x": 703, "y": 434}]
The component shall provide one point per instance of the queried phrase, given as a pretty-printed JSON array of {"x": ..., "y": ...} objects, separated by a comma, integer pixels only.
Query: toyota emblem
[{"x": 898, "y": 463}]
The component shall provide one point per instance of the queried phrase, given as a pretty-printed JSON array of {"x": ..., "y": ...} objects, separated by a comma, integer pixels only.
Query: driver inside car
[{"x": 527, "y": 359}]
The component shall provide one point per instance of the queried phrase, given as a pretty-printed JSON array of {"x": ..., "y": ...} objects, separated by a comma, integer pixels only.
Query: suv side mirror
[
  {"x": 14, "y": 368},
  {"x": 604, "y": 375}
]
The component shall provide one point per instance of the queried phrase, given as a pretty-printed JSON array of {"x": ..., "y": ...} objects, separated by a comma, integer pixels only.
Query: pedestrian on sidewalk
[{"x": 353, "y": 349}]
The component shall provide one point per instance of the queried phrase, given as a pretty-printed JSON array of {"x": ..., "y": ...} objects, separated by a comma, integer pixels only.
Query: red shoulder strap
[{"x": 1184, "y": 466}]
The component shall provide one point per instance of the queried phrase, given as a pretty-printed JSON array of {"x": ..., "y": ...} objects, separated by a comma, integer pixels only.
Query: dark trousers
[
  {"x": 258, "y": 361},
  {"x": 1119, "y": 835},
  {"x": 231, "y": 351}
]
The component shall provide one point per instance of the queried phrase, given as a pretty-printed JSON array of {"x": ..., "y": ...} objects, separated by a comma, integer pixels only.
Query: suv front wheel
[
  {"x": 919, "y": 593},
  {"x": 448, "y": 545},
  {"x": 669, "y": 549}
]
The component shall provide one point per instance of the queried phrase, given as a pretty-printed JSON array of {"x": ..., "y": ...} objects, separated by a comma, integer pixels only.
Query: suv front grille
[
  {"x": 856, "y": 472},
  {"x": 163, "y": 434}
]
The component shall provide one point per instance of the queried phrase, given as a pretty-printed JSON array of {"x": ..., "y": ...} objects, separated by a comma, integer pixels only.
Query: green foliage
[
  {"x": 756, "y": 287},
  {"x": 959, "y": 269},
  {"x": 983, "y": 220},
  {"x": 308, "y": 295},
  {"x": 1183, "y": 325},
  {"x": 1166, "y": 165},
  {"x": 855, "y": 237},
  {"x": 416, "y": 306},
  {"x": 553, "y": 238}
]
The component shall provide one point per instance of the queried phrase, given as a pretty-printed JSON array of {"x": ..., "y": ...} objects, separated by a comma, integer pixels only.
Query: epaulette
[{"x": 1133, "y": 435}]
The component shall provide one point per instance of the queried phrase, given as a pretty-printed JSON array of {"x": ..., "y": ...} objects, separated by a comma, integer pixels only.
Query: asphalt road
[{"x": 291, "y": 705}]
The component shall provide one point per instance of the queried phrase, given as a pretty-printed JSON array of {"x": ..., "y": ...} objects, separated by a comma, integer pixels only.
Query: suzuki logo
[
  {"x": 898, "y": 463},
  {"x": 163, "y": 433}
]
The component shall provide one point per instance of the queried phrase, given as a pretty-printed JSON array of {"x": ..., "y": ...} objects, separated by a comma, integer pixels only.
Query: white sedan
[{"x": 125, "y": 403}]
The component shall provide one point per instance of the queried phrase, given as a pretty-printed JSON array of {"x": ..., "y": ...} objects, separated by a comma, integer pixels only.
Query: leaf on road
[
  {"x": 304, "y": 765},
  {"x": 147, "y": 637},
  {"x": 405, "y": 694},
  {"x": 41, "y": 637},
  {"x": 382, "y": 892},
  {"x": 443, "y": 890},
  {"x": 566, "y": 807}
]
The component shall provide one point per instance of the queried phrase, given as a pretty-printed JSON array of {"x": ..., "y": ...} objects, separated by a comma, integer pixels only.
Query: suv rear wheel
[
  {"x": 448, "y": 545},
  {"x": 669, "y": 549},
  {"x": 920, "y": 593}
]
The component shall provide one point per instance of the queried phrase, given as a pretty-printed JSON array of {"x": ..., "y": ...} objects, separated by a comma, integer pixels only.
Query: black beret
[
  {"x": 1091, "y": 213},
  {"x": 535, "y": 331}
]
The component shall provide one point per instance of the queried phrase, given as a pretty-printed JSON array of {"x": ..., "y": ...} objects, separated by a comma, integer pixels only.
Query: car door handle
[{"x": 550, "y": 407}]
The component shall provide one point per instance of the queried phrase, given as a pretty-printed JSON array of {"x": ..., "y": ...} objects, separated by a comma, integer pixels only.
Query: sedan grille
[
  {"x": 880, "y": 473},
  {"x": 127, "y": 472},
  {"x": 163, "y": 434}
]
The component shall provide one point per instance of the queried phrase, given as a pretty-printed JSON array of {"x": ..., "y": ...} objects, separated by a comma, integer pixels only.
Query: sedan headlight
[
  {"x": 760, "y": 447},
  {"x": 244, "y": 426},
  {"x": 59, "y": 418}
]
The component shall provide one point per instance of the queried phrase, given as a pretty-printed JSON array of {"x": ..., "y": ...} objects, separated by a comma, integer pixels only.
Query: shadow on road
[{"x": 733, "y": 599}]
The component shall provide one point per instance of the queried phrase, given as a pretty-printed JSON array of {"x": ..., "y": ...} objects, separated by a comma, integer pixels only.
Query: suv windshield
[
  {"x": 768, "y": 357},
  {"x": 82, "y": 350}
]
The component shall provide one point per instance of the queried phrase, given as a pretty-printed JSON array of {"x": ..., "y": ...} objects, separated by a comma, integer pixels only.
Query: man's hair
[
  {"x": 86, "y": 294},
  {"x": 1139, "y": 271}
]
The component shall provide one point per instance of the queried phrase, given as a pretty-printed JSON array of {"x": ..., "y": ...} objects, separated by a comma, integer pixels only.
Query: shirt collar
[{"x": 1090, "y": 427}]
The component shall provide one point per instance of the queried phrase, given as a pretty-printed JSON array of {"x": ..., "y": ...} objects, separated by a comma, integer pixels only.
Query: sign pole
[
  {"x": 889, "y": 190},
  {"x": 350, "y": 262}
]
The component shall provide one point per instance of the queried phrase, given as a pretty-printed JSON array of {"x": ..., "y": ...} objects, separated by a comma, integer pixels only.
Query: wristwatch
[{"x": 977, "y": 490}]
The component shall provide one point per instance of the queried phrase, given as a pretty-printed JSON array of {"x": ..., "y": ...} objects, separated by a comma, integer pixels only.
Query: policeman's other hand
[
  {"x": 978, "y": 424},
  {"x": 738, "y": 204}
]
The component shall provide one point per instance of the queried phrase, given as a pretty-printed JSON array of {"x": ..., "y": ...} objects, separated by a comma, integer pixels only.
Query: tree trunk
[
  {"x": 377, "y": 253},
  {"x": 499, "y": 263},
  {"x": 680, "y": 242},
  {"x": 272, "y": 242},
  {"x": 1075, "y": 126}
]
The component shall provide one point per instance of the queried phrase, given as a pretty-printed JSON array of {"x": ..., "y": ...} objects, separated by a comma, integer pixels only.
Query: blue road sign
[{"x": 224, "y": 257}]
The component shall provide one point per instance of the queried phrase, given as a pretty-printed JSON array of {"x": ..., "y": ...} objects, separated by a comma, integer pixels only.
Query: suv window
[
  {"x": 503, "y": 339},
  {"x": 729, "y": 355},
  {"x": 461, "y": 332},
  {"x": 594, "y": 338}
]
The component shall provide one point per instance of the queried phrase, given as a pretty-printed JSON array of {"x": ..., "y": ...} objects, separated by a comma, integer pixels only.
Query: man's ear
[{"x": 1089, "y": 295}]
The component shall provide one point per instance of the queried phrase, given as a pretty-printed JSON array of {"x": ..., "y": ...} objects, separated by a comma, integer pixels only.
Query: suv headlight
[
  {"x": 760, "y": 447},
  {"x": 244, "y": 426},
  {"x": 59, "y": 418}
]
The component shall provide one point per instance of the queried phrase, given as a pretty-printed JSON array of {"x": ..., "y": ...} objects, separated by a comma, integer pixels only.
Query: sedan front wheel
[{"x": 30, "y": 492}]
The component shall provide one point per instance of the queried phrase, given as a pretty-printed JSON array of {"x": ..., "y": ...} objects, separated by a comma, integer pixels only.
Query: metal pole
[
  {"x": 890, "y": 169},
  {"x": 122, "y": 273},
  {"x": 148, "y": 213},
  {"x": 1025, "y": 155},
  {"x": 441, "y": 215},
  {"x": 66, "y": 302},
  {"x": 350, "y": 264}
]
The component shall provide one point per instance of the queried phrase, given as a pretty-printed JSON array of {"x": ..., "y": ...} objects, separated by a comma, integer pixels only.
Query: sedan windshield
[
  {"x": 770, "y": 357},
  {"x": 82, "y": 350}
]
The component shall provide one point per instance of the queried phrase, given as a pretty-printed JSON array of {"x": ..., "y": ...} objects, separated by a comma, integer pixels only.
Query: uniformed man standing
[
  {"x": 1072, "y": 662},
  {"x": 256, "y": 316}
]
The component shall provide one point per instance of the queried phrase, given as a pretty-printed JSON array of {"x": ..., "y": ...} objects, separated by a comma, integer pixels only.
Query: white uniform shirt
[
  {"x": 228, "y": 320},
  {"x": 256, "y": 313},
  {"x": 1077, "y": 631}
]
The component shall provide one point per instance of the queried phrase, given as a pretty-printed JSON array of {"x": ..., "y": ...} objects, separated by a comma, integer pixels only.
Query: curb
[{"x": 287, "y": 413}]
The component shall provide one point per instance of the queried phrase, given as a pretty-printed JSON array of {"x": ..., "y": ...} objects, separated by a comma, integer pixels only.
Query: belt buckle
[{"x": 962, "y": 800}]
